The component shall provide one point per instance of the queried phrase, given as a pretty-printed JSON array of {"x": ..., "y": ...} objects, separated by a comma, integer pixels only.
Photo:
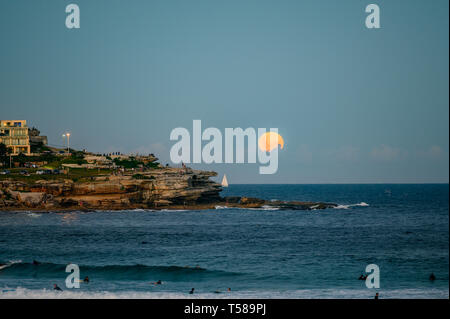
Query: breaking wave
[
  {"x": 9, "y": 264},
  {"x": 362, "y": 204},
  {"x": 24, "y": 293},
  {"x": 264, "y": 207},
  {"x": 114, "y": 272},
  {"x": 221, "y": 207}
]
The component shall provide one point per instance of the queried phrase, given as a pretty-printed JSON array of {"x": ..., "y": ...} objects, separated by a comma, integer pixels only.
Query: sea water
[{"x": 258, "y": 253}]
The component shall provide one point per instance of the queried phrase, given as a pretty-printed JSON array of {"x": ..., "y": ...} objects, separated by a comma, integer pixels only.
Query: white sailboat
[{"x": 224, "y": 181}]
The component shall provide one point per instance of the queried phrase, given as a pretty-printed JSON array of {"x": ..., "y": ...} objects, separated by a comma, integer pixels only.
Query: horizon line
[{"x": 379, "y": 183}]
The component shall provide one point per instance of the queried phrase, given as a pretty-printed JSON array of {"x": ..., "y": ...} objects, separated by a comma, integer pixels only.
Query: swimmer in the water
[
  {"x": 159, "y": 282},
  {"x": 35, "y": 262},
  {"x": 229, "y": 289},
  {"x": 376, "y": 296},
  {"x": 55, "y": 287},
  {"x": 192, "y": 291},
  {"x": 86, "y": 280},
  {"x": 432, "y": 277}
]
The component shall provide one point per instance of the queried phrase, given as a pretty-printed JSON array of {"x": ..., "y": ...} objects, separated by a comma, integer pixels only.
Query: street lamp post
[
  {"x": 67, "y": 135},
  {"x": 68, "y": 142}
]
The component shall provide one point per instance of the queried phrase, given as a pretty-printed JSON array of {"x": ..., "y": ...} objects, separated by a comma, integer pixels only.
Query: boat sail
[{"x": 224, "y": 181}]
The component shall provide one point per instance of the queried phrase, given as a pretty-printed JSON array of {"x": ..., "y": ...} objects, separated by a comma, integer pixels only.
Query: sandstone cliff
[
  {"x": 152, "y": 189},
  {"x": 172, "y": 188}
]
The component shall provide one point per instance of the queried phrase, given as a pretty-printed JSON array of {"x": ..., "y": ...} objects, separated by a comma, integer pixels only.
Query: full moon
[{"x": 269, "y": 141}]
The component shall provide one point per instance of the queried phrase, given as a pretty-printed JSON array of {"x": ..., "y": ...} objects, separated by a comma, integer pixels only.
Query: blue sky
[{"x": 353, "y": 105}]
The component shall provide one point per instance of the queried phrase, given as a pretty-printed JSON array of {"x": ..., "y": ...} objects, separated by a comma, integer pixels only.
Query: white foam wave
[
  {"x": 431, "y": 293},
  {"x": 34, "y": 215},
  {"x": 266, "y": 207},
  {"x": 221, "y": 207},
  {"x": 10, "y": 263},
  {"x": 361, "y": 204},
  {"x": 342, "y": 207}
]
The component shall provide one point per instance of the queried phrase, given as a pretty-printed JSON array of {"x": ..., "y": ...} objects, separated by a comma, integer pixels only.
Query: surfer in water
[
  {"x": 35, "y": 262},
  {"x": 86, "y": 280},
  {"x": 192, "y": 291},
  {"x": 55, "y": 287},
  {"x": 159, "y": 282},
  {"x": 362, "y": 277},
  {"x": 432, "y": 277}
]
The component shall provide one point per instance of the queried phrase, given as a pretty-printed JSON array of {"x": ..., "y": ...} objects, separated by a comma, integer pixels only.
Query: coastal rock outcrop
[
  {"x": 175, "y": 188},
  {"x": 32, "y": 199},
  {"x": 150, "y": 189},
  {"x": 250, "y": 202}
]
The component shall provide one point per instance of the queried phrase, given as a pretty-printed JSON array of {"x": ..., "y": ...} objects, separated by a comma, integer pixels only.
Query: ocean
[{"x": 257, "y": 253}]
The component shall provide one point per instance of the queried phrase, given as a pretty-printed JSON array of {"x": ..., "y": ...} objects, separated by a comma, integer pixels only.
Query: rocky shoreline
[{"x": 164, "y": 188}]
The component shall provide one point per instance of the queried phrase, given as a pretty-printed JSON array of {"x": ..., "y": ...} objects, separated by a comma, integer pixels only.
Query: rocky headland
[{"x": 163, "y": 188}]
